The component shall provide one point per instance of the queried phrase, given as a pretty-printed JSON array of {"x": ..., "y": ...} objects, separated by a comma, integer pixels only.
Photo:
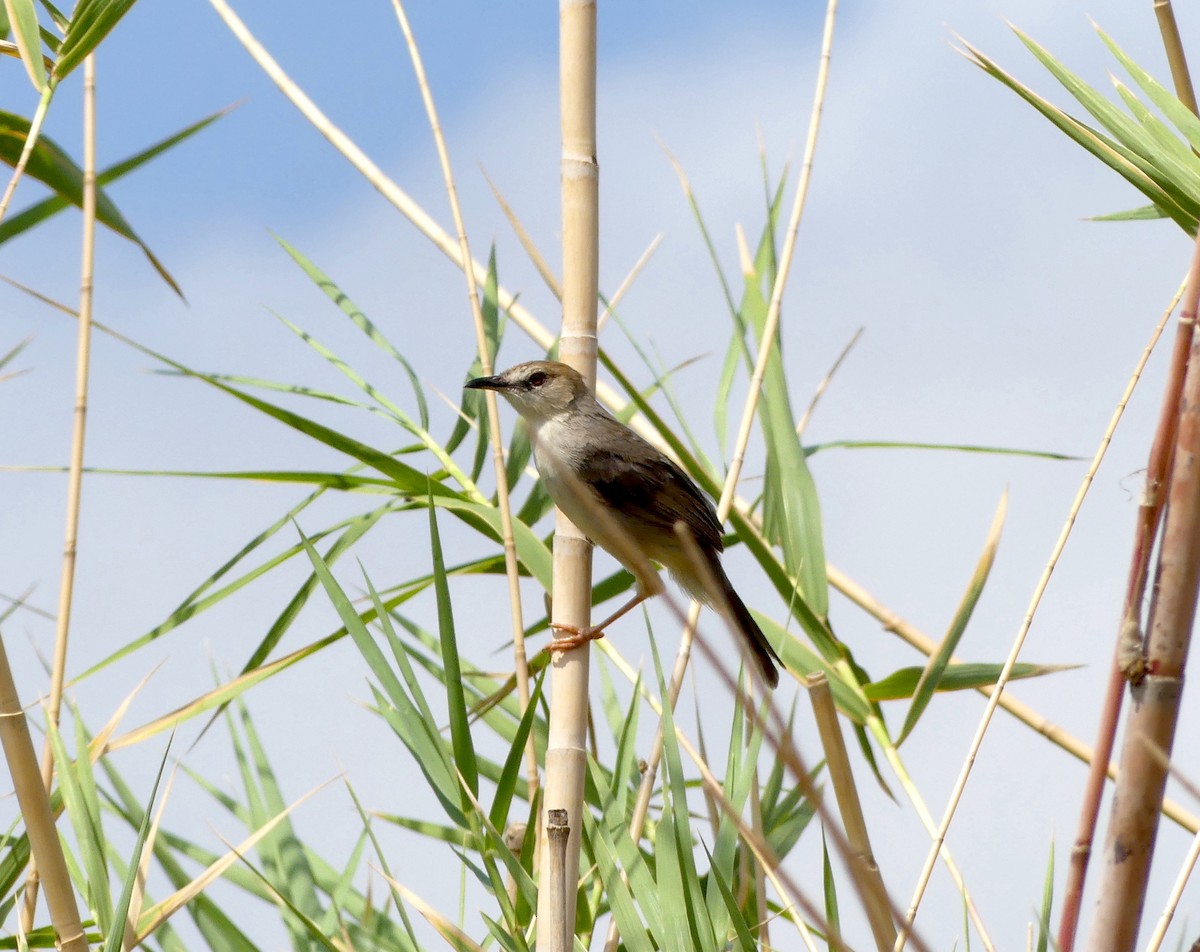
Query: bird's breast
[{"x": 557, "y": 453}]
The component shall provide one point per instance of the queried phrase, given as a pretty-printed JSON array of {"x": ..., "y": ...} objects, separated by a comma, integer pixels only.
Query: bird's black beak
[{"x": 486, "y": 383}]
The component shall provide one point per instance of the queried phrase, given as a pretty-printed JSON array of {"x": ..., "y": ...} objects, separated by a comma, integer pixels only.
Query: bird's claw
[{"x": 572, "y": 637}]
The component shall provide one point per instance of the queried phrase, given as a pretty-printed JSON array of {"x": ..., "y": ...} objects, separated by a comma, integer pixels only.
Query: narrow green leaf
[
  {"x": 85, "y": 820},
  {"x": 22, "y": 17},
  {"x": 791, "y": 510},
  {"x": 963, "y": 676},
  {"x": 1168, "y": 103},
  {"x": 1145, "y": 213},
  {"x": 116, "y": 934},
  {"x": 1111, "y": 153},
  {"x": 603, "y": 849},
  {"x": 363, "y": 323},
  {"x": 281, "y": 850},
  {"x": 460, "y": 723},
  {"x": 681, "y": 893},
  {"x": 733, "y": 915},
  {"x": 940, "y": 660},
  {"x": 1043, "y": 939},
  {"x": 39, "y": 212},
  {"x": 51, "y": 166},
  {"x": 407, "y": 479},
  {"x": 951, "y": 447},
  {"x": 511, "y": 776},
  {"x": 90, "y": 23},
  {"x": 829, "y": 888}
]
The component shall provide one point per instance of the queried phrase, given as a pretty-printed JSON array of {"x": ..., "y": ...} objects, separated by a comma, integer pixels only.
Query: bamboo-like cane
[
  {"x": 1173, "y": 45},
  {"x": 1149, "y": 514},
  {"x": 566, "y": 751},
  {"x": 1127, "y": 660},
  {"x": 875, "y": 896},
  {"x": 31, "y": 138},
  {"x": 1137, "y": 799},
  {"x": 34, "y": 802},
  {"x": 557, "y": 835},
  {"x": 75, "y": 472}
]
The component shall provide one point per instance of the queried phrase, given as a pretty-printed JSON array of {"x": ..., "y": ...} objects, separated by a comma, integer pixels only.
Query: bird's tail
[{"x": 764, "y": 655}]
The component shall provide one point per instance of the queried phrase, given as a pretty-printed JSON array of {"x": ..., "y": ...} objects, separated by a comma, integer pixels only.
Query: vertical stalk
[
  {"x": 1150, "y": 731},
  {"x": 79, "y": 428},
  {"x": 1127, "y": 659},
  {"x": 34, "y": 803},
  {"x": 83, "y": 353},
  {"x": 511, "y": 568},
  {"x": 566, "y": 752}
]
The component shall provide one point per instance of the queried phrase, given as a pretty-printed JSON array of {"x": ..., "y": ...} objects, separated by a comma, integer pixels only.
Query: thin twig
[
  {"x": 34, "y": 803},
  {"x": 1019, "y": 641},
  {"x": 1137, "y": 797},
  {"x": 729, "y": 490},
  {"x": 1127, "y": 655},
  {"x": 35, "y": 130},
  {"x": 512, "y": 569},
  {"x": 66, "y": 589},
  {"x": 806, "y": 417},
  {"x": 611, "y": 304},
  {"x": 1176, "y": 58},
  {"x": 540, "y": 264},
  {"x": 875, "y": 897}
]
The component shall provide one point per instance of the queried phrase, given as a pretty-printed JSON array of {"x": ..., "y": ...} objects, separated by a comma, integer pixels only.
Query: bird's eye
[{"x": 537, "y": 379}]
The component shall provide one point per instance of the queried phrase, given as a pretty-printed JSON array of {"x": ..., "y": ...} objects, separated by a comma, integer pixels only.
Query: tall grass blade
[
  {"x": 940, "y": 660},
  {"x": 39, "y": 212}
]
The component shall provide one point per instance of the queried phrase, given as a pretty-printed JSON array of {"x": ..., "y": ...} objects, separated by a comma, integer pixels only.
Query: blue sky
[{"x": 944, "y": 217}]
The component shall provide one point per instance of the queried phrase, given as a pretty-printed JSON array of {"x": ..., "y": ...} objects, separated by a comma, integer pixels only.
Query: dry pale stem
[
  {"x": 1173, "y": 45},
  {"x": 512, "y": 570},
  {"x": 79, "y": 428},
  {"x": 557, "y": 833},
  {"x": 566, "y": 751},
  {"x": 837, "y": 763},
  {"x": 729, "y": 489},
  {"x": 34, "y": 803},
  {"x": 1168, "y": 913},
  {"x": 35, "y": 130},
  {"x": 1019, "y": 641}
]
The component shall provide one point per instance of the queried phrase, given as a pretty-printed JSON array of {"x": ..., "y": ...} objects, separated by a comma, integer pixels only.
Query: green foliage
[
  {"x": 1160, "y": 162},
  {"x": 682, "y": 884}
]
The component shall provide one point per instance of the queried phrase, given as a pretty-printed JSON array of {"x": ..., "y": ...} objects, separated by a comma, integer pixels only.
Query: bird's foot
[{"x": 569, "y": 637}]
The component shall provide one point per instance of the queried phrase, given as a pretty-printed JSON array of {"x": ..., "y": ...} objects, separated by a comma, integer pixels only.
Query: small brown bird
[{"x": 623, "y": 494}]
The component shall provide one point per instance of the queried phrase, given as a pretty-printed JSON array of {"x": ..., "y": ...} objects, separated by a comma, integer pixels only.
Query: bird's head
[{"x": 539, "y": 390}]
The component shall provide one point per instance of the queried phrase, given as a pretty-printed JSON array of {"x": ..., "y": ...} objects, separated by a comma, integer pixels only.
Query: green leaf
[
  {"x": 829, "y": 887},
  {"x": 460, "y": 724},
  {"x": 960, "y": 676},
  {"x": 78, "y": 788},
  {"x": 23, "y": 18},
  {"x": 364, "y": 324},
  {"x": 1145, "y": 213},
  {"x": 40, "y": 211},
  {"x": 1043, "y": 939},
  {"x": 91, "y": 22},
  {"x": 1167, "y": 102},
  {"x": 51, "y": 166},
  {"x": 116, "y": 935},
  {"x": 940, "y": 660},
  {"x": 791, "y": 510},
  {"x": 1153, "y": 183},
  {"x": 507, "y": 785},
  {"x": 951, "y": 447}
]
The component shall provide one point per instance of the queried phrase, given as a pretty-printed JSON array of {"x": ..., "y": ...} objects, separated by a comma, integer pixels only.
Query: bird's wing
[{"x": 647, "y": 483}]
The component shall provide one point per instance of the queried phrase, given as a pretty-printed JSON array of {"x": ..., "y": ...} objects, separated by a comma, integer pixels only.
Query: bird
[{"x": 626, "y": 497}]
